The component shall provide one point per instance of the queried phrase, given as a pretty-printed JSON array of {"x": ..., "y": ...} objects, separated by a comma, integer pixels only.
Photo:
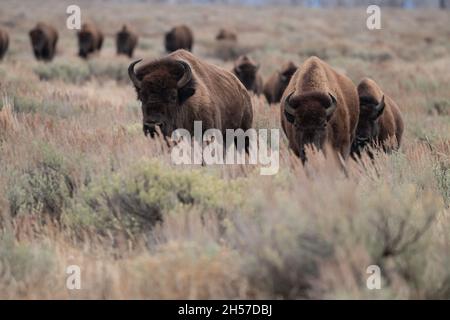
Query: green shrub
[
  {"x": 137, "y": 199},
  {"x": 439, "y": 107},
  {"x": 42, "y": 189},
  {"x": 68, "y": 72},
  {"x": 107, "y": 70}
]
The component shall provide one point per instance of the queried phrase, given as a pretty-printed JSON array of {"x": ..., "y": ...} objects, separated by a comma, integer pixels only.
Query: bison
[
  {"x": 4, "y": 42},
  {"x": 277, "y": 83},
  {"x": 179, "y": 37},
  {"x": 319, "y": 107},
  {"x": 380, "y": 121},
  {"x": 44, "y": 38},
  {"x": 247, "y": 72},
  {"x": 179, "y": 89},
  {"x": 227, "y": 35},
  {"x": 126, "y": 41},
  {"x": 90, "y": 40}
]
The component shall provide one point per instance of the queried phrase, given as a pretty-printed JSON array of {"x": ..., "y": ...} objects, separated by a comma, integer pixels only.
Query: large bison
[
  {"x": 126, "y": 41},
  {"x": 380, "y": 121},
  {"x": 247, "y": 72},
  {"x": 44, "y": 38},
  {"x": 4, "y": 42},
  {"x": 277, "y": 83},
  {"x": 179, "y": 89},
  {"x": 319, "y": 107},
  {"x": 90, "y": 40},
  {"x": 179, "y": 37},
  {"x": 226, "y": 35}
]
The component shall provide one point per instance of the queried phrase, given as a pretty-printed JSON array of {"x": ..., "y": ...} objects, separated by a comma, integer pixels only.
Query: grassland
[{"x": 81, "y": 185}]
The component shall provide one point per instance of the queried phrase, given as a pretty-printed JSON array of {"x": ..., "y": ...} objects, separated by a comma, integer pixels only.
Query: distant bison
[
  {"x": 179, "y": 89},
  {"x": 247, "y": 71},
  {"x": 277, "y": 83},
  {"x": 4, "y": 42},
  {"x": 319, "y": 107},
  {"x": 126, "y": 41},
  {"x": 43, "y": 40},
  {"x": 90, "y": 40},
  {"x": 180, "y": 37},
  {"x": 225, "y": 34},
  {"x": 380, "y": 121}
]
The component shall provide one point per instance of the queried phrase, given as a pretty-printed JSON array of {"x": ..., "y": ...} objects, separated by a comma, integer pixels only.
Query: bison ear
[{"x": 185, "y": 93}]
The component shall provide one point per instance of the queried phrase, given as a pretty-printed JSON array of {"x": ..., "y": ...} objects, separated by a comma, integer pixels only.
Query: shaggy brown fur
[
  {"x": 180, "y": 37},
  {"x": 126, "y": 41},
  {"x": 319, "y": 107},
  {"x": 225, "y": 34},
  {"x": 277, "y": 83},
  {"x": 4, "y": 43},
  {"x": 210, "y": 94},
  {"x": 380, "y": 121},
  {"x": 90, "y": 40},
  {"x": 43, "y": 41},
  {"x": 247, "y": 71}
]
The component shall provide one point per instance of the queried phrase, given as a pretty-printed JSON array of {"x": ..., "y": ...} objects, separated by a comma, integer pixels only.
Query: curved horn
[
  {"x": 187, "y": 75},
  {"x": 288, "y": 110},
  {"x": 379, "y": 108},
  {"x": 132, "y": 75},
  {"x": 332, "y": 107}
]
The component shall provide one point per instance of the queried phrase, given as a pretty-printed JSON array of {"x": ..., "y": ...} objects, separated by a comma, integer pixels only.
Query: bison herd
[{"x": 319, "y": 106}]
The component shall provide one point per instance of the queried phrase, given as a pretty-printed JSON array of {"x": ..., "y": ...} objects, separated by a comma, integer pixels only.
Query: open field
[{"x": 81, "y": 185}]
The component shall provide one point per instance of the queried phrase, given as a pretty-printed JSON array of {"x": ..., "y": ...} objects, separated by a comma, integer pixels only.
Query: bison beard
[
  {"x": 179, "y": 89},
  {"x": 319, "y": 107}
]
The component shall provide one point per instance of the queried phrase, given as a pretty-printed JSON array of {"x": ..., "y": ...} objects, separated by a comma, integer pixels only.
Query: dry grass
[{"x": 80, "y": 184}]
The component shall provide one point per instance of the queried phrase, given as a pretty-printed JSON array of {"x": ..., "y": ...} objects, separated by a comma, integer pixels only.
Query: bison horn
[
  {"x": 132, "y": 74},
  {"x": 187, "y": 75},
  {"x": 330, "y": 110},
  {"x": 379, "y": 108},
  {"x": 288, "y": 109}
]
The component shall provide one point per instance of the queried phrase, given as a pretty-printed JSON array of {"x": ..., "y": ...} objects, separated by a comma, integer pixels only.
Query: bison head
[
  {"x": 309, "y": 114},
  {"x": 162, "y": 87},
  {"x": 38, "y": 39},
  {"x": 85, "y": 43},
  {"x": 170, "y": 41},
  {"x": 286, "y": 72},
  {"x": 123, "y": 42},
  {"x": 245, "y": 68},
  {"x": 368, "y": 126}
]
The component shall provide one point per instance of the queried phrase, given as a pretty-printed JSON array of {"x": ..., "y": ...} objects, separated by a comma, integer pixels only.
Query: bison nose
[{"x": 150, "y": 128}]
